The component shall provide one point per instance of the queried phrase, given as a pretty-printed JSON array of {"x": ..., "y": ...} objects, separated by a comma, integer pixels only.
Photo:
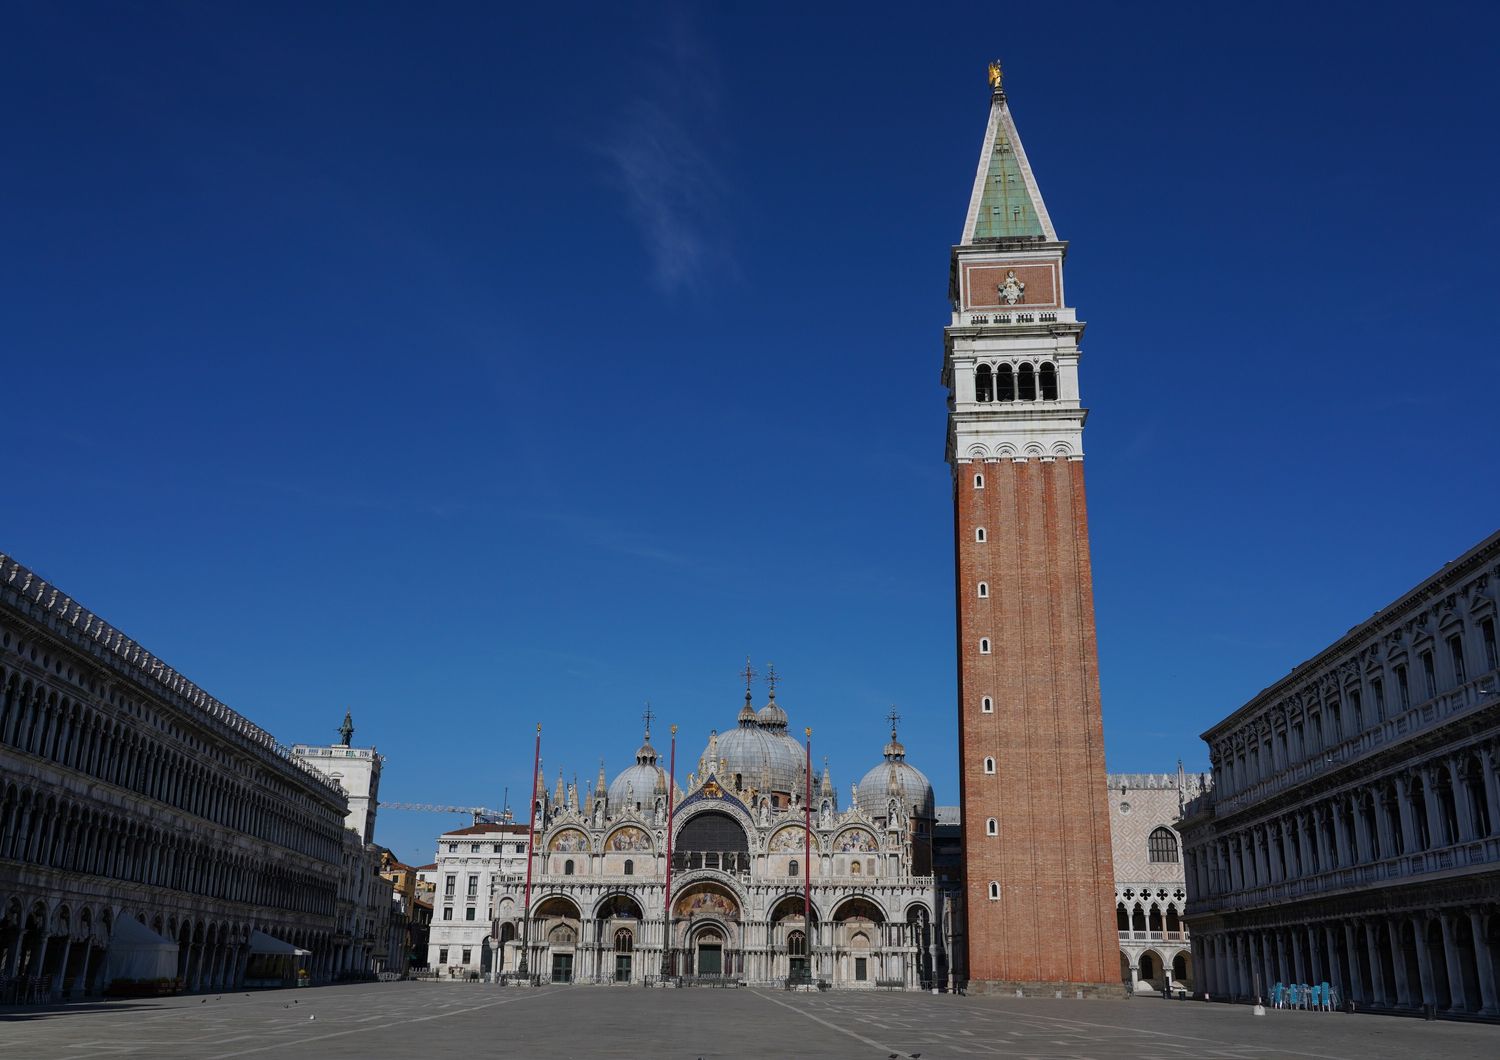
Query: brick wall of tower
[{"x": 1054, "y": 921}]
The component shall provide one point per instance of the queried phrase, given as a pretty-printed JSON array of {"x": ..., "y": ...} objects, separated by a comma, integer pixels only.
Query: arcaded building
[
  {"x": 1352, "y": 832},
  {"x": 1039, "y": 890},
  {"x": 129, "y": 793}
]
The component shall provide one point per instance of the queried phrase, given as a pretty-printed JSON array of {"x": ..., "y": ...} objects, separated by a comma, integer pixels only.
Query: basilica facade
[{"x": 756, "y": 871}]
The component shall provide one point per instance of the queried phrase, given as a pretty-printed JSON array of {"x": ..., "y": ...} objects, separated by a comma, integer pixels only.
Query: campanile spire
[{"x": 1037, "y": 857}]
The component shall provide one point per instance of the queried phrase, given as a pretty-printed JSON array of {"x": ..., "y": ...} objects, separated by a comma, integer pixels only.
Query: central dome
[{"x": 755, "y": 755}]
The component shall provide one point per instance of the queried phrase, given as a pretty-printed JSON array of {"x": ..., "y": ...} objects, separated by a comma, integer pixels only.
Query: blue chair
[
  {"x": 1294, "y": 996},
  {"x": 1315, "y": 996},
  {"x": 1276, "y": 995}
]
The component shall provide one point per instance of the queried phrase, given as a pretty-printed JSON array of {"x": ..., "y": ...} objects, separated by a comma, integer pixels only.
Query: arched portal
[
  {"x": 858, "y": 940},
  {"x": 554, "y": 929},
  {"x": 789, "y": 935},
  {"x": 706, "y": 930}
]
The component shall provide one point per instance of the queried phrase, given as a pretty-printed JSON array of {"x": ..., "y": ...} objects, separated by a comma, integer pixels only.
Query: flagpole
[
  {"x": 807, "y": 855},
  {"x": 536, "y": 766},
  {"x": 666, "y": 913}
]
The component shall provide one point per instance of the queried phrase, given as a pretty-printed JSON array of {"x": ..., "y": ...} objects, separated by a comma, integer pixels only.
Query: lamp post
[
  {"x": 536, "y": 766},
  {"x": 666, "y": 913},
  {"x": 807, "y": 851}
]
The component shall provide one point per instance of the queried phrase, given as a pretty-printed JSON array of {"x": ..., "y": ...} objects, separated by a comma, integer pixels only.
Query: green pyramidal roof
[
  {"x": 1006, "y": 203},
  {"x": 1005, "y": 209}
]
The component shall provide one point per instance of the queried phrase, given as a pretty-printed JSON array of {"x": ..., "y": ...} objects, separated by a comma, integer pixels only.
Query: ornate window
[
  {"x": 1048, "y": 379},
  {"x": 796, "y": 944},
  {"x": 624, "y": 941},
  {"x": 1456, "y": 654},
  {"x": 629, "y": 867},
  {"x": 1005, "y": 384},
  {"x": 792, "y": 867},
  {"x": 568, "y": 867},
  {"x": 1161, "y": 845},
  {"x": 1026, "y": 383}
]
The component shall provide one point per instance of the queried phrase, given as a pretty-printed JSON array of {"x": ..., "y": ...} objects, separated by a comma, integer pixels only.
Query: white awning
[{"x": 260, "y": 942}]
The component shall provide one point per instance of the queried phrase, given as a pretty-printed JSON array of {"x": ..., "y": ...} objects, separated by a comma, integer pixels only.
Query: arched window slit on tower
[
  {"x": 984, "y": 590},
  {"x": 1049, "y": 381},
  {"x": 1026, "y": 383},
  {"x": 1005, "y": 384},
  {"x": 979, "y": 534},
  {"x": 984, "y": 385}
]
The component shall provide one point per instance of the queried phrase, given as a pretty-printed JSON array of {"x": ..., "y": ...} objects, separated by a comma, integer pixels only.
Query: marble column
[
  {"x": 1351, "y": 951},
  {"x": 1336, "y": 960},
  {"x": 1377, "y": 977},
  {"x": 1466, "y": 831},
  {"x": 1424, "y": 961},
  {"x": 1398, "y": 962},
  {"x": 1456, "y": 991},
  {"x": 1487, "y": 766},
  {"x": 1489, "y": 1003},
  {"x": 1437, "y": 832},
  {"x": 1361, "y": 843}
]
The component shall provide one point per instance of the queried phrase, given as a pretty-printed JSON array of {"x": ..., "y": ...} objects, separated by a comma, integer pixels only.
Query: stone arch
[
  {"x": 569, "y": 839},
  {"x": 788, "y": 839},
  {"x": 978, "y": 451},
  {"x": 859, "y": 906},
  {"x": 791, "y": 906},
  {"x": 855, "y": 839},
  {"x": 618, "y": 905},
  {"x": 629, "y": 838},
  {"x": 1182, "y": 968},
  {"x": 560, "y": 905}
]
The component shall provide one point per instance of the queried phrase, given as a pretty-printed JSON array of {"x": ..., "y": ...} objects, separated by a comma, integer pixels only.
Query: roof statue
[
  {"x": 996, "y": 76},
  {"x": 346, "y": 730}
]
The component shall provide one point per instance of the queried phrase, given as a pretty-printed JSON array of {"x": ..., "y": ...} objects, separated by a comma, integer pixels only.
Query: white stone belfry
[{"x": 1011, "y": 350}]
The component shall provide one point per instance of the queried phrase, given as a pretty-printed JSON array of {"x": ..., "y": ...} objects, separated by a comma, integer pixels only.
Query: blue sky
[{"x": 479, "y": 365}]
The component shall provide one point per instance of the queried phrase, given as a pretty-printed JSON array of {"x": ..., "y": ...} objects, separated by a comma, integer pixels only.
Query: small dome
[
  {"x": 639, "y": 783},
  {"x": 895, "y": 776}
]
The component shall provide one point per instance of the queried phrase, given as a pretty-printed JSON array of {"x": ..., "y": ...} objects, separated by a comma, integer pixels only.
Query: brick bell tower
[{"x": 1039, "y": 877}]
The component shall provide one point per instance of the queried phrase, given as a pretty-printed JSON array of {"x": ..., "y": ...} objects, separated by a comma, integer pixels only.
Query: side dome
[
  {"x": 636, "y": 786},
  {"x": 896, "y": 777}
]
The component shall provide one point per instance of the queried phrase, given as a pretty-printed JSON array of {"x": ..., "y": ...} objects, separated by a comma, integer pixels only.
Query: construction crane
[{"x": 481, "y": 814}]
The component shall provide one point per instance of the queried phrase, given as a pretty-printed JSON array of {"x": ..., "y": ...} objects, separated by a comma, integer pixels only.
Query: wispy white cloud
[{"x": 665, "y": 160}]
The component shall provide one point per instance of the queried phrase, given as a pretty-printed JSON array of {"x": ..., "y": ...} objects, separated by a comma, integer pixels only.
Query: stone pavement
[{"x": 411, "y": 1021}]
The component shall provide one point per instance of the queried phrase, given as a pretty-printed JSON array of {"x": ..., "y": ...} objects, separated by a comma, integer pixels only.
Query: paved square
[{"x": 413, "y": 1020}]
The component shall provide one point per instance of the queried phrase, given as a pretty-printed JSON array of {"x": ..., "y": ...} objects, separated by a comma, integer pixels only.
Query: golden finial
[
  {"x": 808, "y": 730},
  {"x": 995, "y": 76},
  {"x": 538, "y": 726},
  {"x": 674, "y": 730}
]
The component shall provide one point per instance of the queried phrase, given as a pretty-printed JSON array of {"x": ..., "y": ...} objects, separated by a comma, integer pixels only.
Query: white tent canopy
[
  {"x": 260, "y": 942},
  {"x": 137, "y": 952}
]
